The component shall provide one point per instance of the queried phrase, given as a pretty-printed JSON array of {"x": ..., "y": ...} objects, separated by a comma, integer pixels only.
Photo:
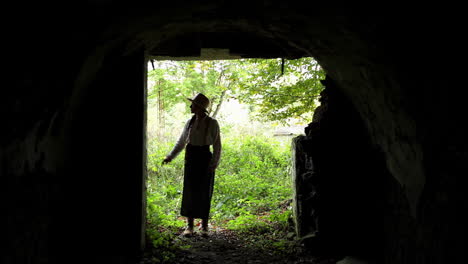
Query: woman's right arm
[{"x": 180, "y": 144}]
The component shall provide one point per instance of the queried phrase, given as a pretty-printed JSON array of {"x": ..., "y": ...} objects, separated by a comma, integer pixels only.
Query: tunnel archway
[
  {"x": 189, "y": 41},
  {"x": 379, "y": 61},
  {"x": 353, "y": 63}
]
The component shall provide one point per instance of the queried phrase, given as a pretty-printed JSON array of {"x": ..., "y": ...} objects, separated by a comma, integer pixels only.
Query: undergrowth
[{"x": 252, "y": 193}]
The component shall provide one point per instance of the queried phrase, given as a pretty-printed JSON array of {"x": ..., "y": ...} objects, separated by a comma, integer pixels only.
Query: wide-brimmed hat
[{"x": 201, "y": 101}]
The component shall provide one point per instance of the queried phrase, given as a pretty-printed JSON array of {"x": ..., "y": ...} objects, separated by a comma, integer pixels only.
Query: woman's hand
[{"x": 166, "y": 160}]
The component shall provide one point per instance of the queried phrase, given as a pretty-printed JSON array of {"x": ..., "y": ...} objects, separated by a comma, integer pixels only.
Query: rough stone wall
[
  {"x": 71, "y": 194},
  {"x": 341, "y": 182},
  {"x": 33, "y": 146}
]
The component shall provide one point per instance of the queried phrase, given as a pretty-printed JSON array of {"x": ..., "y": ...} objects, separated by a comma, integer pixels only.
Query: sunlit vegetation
[
  {"x": 252, "y": 181},
  {"x": 251, "y": 100}
]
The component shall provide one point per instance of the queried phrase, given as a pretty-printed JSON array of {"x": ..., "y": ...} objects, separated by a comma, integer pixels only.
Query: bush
[{"x": 252, "y": 179}]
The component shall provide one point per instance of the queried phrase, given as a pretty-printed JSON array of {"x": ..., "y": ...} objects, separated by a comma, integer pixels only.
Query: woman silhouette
[{"x": 198, "y": 134}]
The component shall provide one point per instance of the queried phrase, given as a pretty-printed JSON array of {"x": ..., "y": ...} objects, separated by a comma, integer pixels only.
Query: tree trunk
[
  {"x": 218, "y": 107},
  {"x": 161, "y": 123}
]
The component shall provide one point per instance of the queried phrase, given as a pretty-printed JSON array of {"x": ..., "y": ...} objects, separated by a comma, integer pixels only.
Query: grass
[{"x": 252, "y": 192}]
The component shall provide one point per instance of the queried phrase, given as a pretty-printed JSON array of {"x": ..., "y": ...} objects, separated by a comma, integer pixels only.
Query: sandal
[
  {"x": 188, "y": 232},
  {"x": 204, "y": 233}
]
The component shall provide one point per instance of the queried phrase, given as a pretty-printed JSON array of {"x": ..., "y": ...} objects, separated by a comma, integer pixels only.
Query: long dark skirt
[{"x": 198, "y": 182}]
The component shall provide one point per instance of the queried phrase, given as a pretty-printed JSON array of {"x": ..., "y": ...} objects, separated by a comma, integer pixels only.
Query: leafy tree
[
  {"x": 278, "y": 89},
  {"x": 282, "y": 89}
]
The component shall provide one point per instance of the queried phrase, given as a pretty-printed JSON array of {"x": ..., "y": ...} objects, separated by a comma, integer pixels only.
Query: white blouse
[{"x": 204, "y": 131}]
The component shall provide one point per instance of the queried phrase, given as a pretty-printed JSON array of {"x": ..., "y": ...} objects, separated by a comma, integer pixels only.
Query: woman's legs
[
  {"x": 190, "y": 222},
  {"x": 205, "y": 224},
  {"x": 204, "y": 229},
  {"x": 189, "y": 230}
]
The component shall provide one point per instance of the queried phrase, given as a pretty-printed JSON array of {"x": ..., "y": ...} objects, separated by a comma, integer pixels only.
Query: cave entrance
[{"x": 253, "y": 187}]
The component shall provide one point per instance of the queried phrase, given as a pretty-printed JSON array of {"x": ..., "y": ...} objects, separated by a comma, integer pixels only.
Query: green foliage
[
  {"x": 282, "y": 91},
  {"x": 249, "y": 223},
  {"x": 276, "y": 91},
  {"x": 251, "y": 194},
  {"x": 267, "y": 232},
  {"x": 253, "y": 177},
  {"x": 163, "y": 197},
  {"x": 252, "y": 189},
  {"x": 164, "y": 188},
  {"x": 163, "y": 246}
]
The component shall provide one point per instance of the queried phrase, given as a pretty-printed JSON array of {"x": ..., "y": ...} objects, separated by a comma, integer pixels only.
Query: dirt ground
[{"x": 227, "y": 247}]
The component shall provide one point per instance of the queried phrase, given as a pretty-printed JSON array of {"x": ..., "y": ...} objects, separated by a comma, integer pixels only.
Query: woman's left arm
[{"x": 216, "y": 146}]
